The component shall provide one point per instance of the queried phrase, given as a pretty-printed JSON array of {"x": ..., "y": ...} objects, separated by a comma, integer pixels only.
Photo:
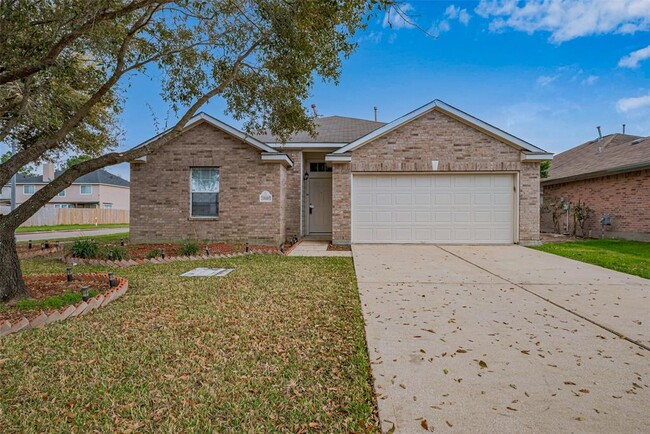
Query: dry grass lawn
[{"x": 277, "y": 346}]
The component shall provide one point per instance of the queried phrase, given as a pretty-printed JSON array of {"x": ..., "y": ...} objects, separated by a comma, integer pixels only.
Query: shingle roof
[
  {"x": 330, "y": 129},
  {"x": 100, "y": 176},
  {"x": 612, "y": 153}
]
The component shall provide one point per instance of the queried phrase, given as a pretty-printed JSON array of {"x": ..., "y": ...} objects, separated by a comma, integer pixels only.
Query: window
[
  {"x": 29, "y": 189},
  {"x": 63, "y": 205},
  {"x": 86, "y": 189},
  {"x": 61, "y": 193},
  {"x": 107, "y": 206},
  {"x": 319, "y": 167},
  {"x": 204, "y": 192}
]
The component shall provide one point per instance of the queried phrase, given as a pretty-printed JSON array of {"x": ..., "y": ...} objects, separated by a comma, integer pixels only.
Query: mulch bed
[
  {"x": 141, "y": 251},
  {"x": 42, "y": 287},
  {"x": 338, "y": 248}
]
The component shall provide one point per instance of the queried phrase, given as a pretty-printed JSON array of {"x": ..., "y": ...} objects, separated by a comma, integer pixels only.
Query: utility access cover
[{"x": 208, "y": 272}]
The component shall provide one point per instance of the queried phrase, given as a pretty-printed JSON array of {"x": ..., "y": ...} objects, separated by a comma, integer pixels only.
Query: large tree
[{"x": 65, "y": 66}]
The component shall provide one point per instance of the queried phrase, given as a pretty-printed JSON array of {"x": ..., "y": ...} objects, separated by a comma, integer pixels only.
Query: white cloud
[
  {"x": 464, "y": 17},
  {"x": 567, "y": 19},
  {"x": 545, "y": 80},
  {"x": 451, "y": 13},
  {"x": 398, "y": 18},
  {"x": 632, "y": 60},
  {"x": 592, "y": 79},
  {"x": 633, "y": 103}
]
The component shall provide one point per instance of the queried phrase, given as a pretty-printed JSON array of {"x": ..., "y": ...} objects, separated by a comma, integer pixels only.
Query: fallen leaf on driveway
[
  {"x": 482, "y": 364},
  {"x": 424, "y": 424}
]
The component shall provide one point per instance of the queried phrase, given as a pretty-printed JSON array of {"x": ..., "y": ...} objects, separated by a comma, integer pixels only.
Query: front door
[{"x": 319, "y": 199}]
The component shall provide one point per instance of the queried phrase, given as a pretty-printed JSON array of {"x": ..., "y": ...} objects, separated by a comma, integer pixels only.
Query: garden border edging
[
  {"x": 71, "y": 311},
  {"x": 131, "y": 262}
]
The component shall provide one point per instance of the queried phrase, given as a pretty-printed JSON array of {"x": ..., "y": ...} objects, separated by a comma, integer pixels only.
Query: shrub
[
  {"x": 189, "y": 248},
  {"x": 85, "y": 249},
  {"x": 116, "y": 253},
  {"x": 154, "y": 253}
]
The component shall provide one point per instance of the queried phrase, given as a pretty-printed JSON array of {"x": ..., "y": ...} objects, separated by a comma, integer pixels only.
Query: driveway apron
[{"x": 503, "y": 339}]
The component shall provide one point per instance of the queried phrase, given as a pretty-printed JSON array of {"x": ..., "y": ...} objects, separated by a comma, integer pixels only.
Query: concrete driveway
[
  {"x": 57, "y": 235},
  {"x": 503, "y": 339}
]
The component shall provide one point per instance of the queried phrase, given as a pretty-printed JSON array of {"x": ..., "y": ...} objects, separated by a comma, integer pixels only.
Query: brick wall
[
  {"x": 160, "y": 191},
  {"x": 341, "y": 202},
  {"x": 294, "y": 180},
  {"x": 456, "y": 146},
  {"x": 626, "y": 197}
]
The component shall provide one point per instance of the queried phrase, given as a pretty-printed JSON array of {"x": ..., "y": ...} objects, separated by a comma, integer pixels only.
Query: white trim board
[
  {"x": 454, "y": 112},
  {"x": 204, "y": 117}
]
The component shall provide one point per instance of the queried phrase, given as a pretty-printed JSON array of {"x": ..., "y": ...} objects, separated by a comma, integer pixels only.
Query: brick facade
[
  {"x": 160, "y": 187},
  {"x": 160, "y": 191},
  {"x": 625, "y": 197},
  {"x": 456, "y": 146}
]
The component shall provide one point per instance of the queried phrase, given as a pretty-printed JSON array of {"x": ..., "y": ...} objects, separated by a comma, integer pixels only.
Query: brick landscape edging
[
  {"x": 131, "y": 262},
  {"x": 38, "y": 252},
  {"x": 71, "y": 311}
]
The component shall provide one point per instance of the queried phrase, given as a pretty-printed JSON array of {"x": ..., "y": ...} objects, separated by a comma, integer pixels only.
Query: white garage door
[{"x": 472, "y": 209}]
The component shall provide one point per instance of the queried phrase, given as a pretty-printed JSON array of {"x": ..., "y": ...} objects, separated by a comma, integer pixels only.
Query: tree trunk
[{"x": 12, "y": 285}]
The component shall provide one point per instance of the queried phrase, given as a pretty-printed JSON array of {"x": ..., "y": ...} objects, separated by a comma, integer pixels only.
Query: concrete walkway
[
  {"x": 56, "y": 235},
  {"x": 461, "y": 339},
  {"x": 316, "y": 248}
]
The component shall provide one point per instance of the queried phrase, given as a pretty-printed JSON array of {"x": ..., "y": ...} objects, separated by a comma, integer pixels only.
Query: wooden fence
[{"x": 74, "y": 216}]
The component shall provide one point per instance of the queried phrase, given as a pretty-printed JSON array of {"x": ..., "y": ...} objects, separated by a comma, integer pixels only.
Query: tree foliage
[
  {"x": 544, "y": 168},
  {"x": 65, "y": 66}
]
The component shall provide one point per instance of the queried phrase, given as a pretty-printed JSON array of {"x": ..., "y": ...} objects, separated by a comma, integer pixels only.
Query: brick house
[
  {"x": 611, "y": 175},
  {"x": 435, "y": 175}
]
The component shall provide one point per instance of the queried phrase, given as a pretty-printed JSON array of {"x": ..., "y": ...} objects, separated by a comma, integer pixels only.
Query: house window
[
  {"x": 86, "y": 189},
  {"x": 319, "y": 167},
  {"x": 61, "y": 193},
  {"x": 107, "y": 206},
  {"x": 29, "y": 189},
  {"x": 204, "y": 192},
  {"x": 63, "y": 205}
]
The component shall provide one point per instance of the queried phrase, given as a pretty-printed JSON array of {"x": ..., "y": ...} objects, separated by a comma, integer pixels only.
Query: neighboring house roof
[
  {"x": 100, "y": 176},
  {"x": 615, "y": 153},
  {"x": 456, "y": 113},
  {"x": 330, "y": 130}
]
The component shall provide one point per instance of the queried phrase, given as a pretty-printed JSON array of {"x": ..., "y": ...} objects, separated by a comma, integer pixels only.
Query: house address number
[{"x": 266, "y": 196}]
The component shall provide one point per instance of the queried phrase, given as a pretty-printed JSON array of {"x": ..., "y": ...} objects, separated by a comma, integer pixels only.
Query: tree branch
[
  {"x": 45, "y": 194},
  {"x": 53, "y": 53}
]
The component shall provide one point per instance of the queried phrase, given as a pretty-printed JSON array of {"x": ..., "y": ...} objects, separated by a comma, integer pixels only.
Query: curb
[{"x": 71, "y": 311}]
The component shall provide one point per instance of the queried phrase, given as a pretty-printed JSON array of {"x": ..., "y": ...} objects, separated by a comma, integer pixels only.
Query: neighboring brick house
[
  {"x": 98, "y": 189},
  {"x": 611, "y": 175},
  {"x": 435, "y": 175}
]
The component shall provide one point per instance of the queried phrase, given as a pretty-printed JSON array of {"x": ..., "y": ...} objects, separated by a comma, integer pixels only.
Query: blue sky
[{"x": 548, "y": 71}]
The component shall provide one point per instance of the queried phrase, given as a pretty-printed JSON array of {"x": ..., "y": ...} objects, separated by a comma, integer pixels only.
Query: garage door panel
[{"x": 441, "y": 208}]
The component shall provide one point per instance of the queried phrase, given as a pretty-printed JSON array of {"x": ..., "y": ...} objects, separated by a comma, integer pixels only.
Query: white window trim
[
  {"x": 61, "y": 195},
  {"x": 81, "y": 189},
  {"x": 29, "y": 185},
  {"x": 208, "y": 217}
]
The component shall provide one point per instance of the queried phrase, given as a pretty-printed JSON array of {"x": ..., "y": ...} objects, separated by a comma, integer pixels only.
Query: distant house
[
  {"x": 98, "y": 189},
  {"x": 611, "y": 175}
]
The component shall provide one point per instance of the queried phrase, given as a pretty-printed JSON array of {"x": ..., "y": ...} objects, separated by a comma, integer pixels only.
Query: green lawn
[
  {"x": 109, "y": 238},
  {"x": 632, "y": 257},
  {"x": 69, "y": 227},
  {"x": 277, "y": 346}
]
